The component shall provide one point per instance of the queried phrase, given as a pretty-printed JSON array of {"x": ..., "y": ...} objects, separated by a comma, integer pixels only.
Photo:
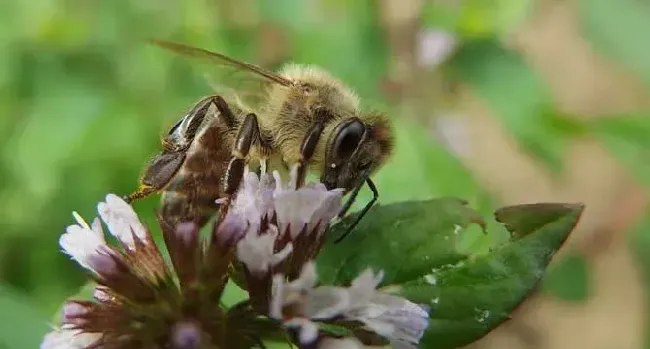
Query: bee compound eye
[{"x": 348, "y": 139}]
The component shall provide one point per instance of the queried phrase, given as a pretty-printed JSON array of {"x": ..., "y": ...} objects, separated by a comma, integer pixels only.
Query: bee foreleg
[
  {"x": 307, "y": 149},
  {"x": 348, "y": 204},
  {"x": 248, "y": 133}
]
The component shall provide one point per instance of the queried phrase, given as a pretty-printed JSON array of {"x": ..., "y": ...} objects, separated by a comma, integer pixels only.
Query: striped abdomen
[{"x": 192, "y": 193}]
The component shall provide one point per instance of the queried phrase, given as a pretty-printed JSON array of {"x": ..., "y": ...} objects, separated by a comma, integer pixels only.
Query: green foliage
[
  {"x": 83, "y": 102},
  {"x": 639, "y": 244},
  {"x": 477, "y": 18},
  {"x": 430, "y": 236},
  {"x": 469, "y": 293},
  {"x": 618, "y": 31},
  {"x": 20, "y": 320},
  {"x": 515, "y": 94},
  {"x": 626, "y": 137}
]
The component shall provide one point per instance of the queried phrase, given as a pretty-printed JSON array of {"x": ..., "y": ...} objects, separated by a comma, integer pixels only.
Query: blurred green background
[{"x": 494, "y": 101}]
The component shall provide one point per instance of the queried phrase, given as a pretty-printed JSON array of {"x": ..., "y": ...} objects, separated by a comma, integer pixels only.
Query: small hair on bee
[
  {"x": 317, "y": 76},
  {"x": 380, "y": 129}
]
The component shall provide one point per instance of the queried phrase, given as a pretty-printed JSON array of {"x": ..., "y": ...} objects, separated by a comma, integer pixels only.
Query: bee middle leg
[{"x": 248, "y": 133}]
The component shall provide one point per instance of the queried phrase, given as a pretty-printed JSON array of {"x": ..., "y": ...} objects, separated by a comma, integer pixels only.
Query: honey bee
[{"x": 305, "y": 118}]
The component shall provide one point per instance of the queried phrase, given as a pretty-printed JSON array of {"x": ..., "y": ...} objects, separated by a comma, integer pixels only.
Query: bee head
[{"x": 355, "y": 149}]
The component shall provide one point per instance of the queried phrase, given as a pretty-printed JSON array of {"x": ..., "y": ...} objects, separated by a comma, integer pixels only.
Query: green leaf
[
  {"x": 416, "y": 244},
  {"x": 618, "y": 30},
  {"x": 428, "y": 242},
  {"x": 517, "y": 97},
  {"x": 233, "y": 294},
  {"x": 522, "y": 220}
]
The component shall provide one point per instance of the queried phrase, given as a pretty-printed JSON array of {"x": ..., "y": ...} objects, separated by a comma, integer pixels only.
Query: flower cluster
[{"x": 265, "y": 243}]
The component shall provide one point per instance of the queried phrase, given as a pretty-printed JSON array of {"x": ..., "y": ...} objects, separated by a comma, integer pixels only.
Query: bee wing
[
  {"x": 240, "y": 79},
  {"x": 240, "y": 85}
]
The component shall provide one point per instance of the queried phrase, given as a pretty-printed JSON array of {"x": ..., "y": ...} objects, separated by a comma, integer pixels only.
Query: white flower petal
[
  {"x": 279, "y": 185},
  {"x": 364, "y": 286},
  {"x": 97, "y": 227},
  {"x": 399, "y": 320},
  {"x": 277, "y": 297},
  {"x": 307, "y": 278},
  {"x": 254, "y": 200},
  {"x": 309, "y": 205},
  {"x": 326, "y": 302},
  {"x": 329, "y": 208},
  {"x": 67, "y": 338},
  {"x": 82, "y": 244},
  {"x": 301, "y": 207},
  {"x": 340, "y": 343},
  {"x": 307, "y": 330},
  {"x": 121, "y": 219},
  {"x": 283, "y": 293},
  {"x": 281, "y": 255},
  {"x": 256, "y": 251}
]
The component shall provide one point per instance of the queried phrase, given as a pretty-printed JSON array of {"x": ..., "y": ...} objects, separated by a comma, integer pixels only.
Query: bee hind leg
[
  {"x": 158, "y": 174},
  {"x": 142, "y": 192}
]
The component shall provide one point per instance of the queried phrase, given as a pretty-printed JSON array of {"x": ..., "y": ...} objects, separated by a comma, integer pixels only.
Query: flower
[
  {"x": 300, "y": 305},
  {"x": 340, "y": 343},
  {"x": 141, "y": 300},
  {"x": 308, "y": 209},
  {"x": 68, "y": 338},
  {"x": 286, "y": 227},
  {"x": 264, "y": 241},
  {"x": 257, "y": 251},
  {"x": 434, "y": 47}
]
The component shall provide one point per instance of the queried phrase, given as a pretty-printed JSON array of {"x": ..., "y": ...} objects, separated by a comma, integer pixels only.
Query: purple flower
[{"x": 300, "y": 305}]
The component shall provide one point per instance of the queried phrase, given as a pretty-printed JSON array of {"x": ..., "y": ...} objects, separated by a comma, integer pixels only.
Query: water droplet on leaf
[
  {"x": 481, "y": 315},
  {"x": 431, "y": 279}
]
